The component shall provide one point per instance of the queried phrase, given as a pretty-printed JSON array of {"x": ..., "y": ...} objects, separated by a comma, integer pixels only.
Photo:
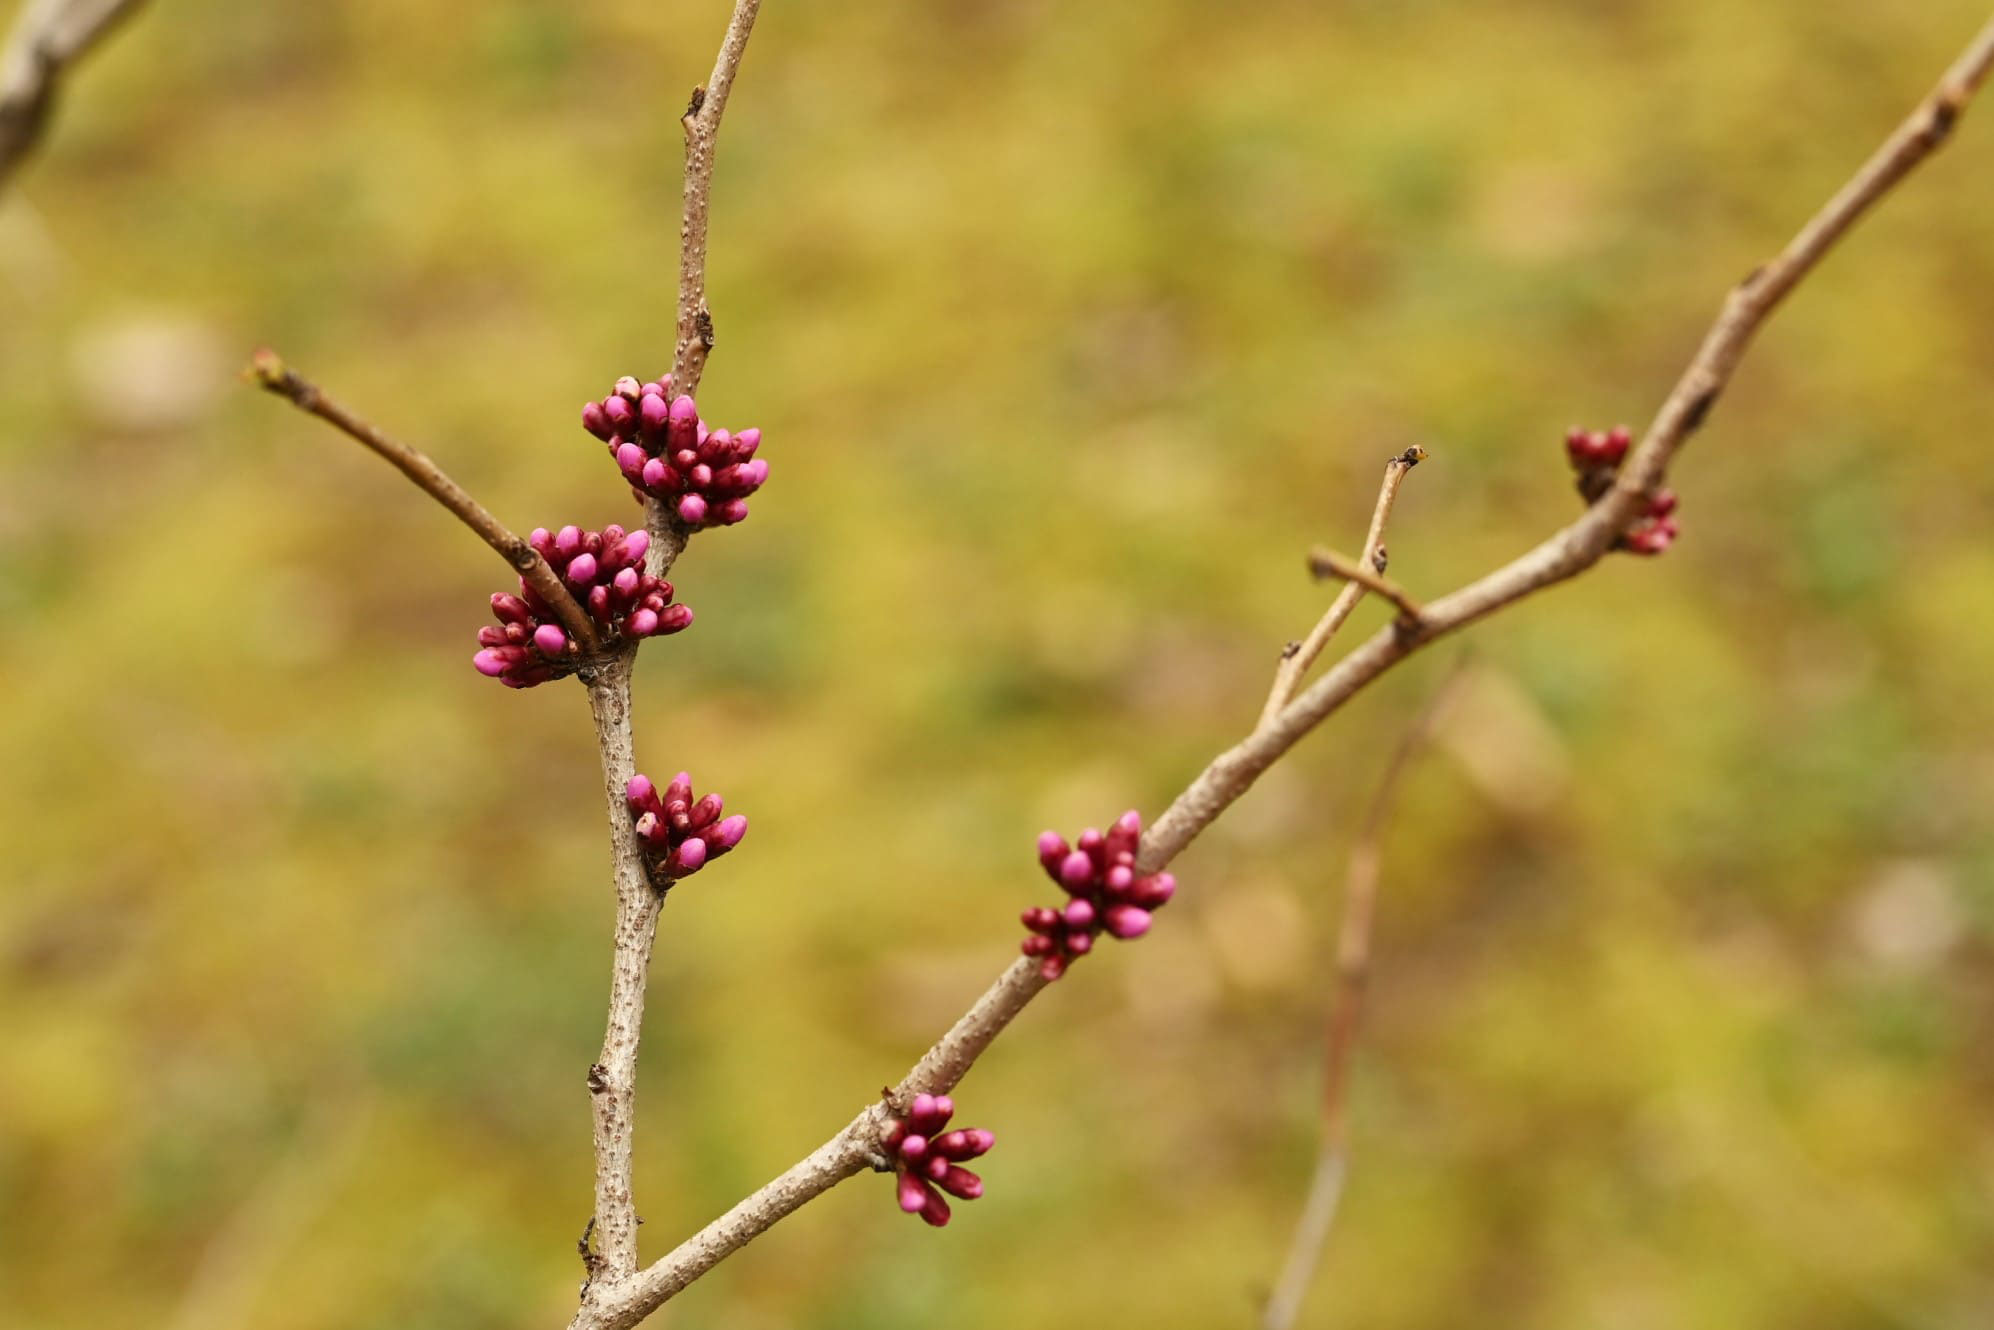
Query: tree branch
[
  {"x": 50, "y": 37},
  {"x": 1353, "y": 964},
  {"x": 1567, "y": 552},
  {"x": 1326, "y": 562},
  {"x": 271, "y": 374},
  {"x": 1288, "y": 676},
  {"x": 702, "y": 129}
]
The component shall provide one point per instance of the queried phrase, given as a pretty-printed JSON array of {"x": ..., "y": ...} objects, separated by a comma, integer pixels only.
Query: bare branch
[
  {"x": 271, "y": 373},
  {"x": 1564, "y": 554},
  {"x": 1353, "y": 965},
  {"x": 48, "y": 40},
  {"x": 1288, "y": 676},
  {"x": 612, "y": 1081},
  {"x": 702, "y": 129},
  {"x": 1326, "y": 562}
]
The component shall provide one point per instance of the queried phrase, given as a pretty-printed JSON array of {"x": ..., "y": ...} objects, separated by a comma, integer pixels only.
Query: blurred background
[{"x": 1070, "y": 328}]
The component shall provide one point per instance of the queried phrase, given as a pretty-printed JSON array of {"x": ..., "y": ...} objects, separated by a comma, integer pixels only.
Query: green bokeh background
[{"x": 1070, "y": 327}]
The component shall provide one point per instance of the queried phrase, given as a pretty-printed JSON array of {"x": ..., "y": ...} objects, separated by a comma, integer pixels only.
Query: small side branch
[
  {"x": 702, "y": 130},
  {"x": 1353, "y": 966},
  {"x": 47, "y": 42},
  {"x": 1295, "y": 664},
  {"x": 1326, "y": 562},
  {"x": 273, "y": 375}
]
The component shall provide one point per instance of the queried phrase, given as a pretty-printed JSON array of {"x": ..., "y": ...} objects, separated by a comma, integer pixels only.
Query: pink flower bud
[
  {"x": 643, "y": 623},
  {"x": 568, "y": 541},
  {"x": 683, "y": 423},
  {"x": 639, "y": 791},
  {"x": 1076, "y": 870},
  {"x": 692, "y": 510},
  {"x": 745, "y": 444},
  {"x": 630, "y": 461},
  {"x": 626, "y": 583},
  {"x": 706, "y": 810},
  {"x": 595, "y": 422},
  {"x": 1037, "y": 944},
  {"x": 1154, "y": 892},
  {"x": 675, "y": 618},
  {"x": 541, "y": 541},
  {"x": 732, "y": 511},
  {"x": 936, "y": 1212},
  {"x": 1078, "y": 944},
  {"x": 619, "y": 413},
  {"x": 652, "y": 411},
  {"x": 691, "y": 854},
  {"x": 490, "y": 664},
  {"x": 627, "y": 386},
  {"x": 727, "y": 833},
  {"x": 636, "y": 545},
  {"x": 958, "y": 1181},
  {"x": 914, "y": 1147},
  {"x": 1052, "y": 852},
  {"x": 754, "y": 474},
  {"x": 550, "y": 639},
  {"x": 1052, "y": 967},
  {"x": 1126, "y": 921},
  {"x": 581, "y": 569},
  {"x": 913, "y": 1194},
  {"x": 1079, "y": 912}
]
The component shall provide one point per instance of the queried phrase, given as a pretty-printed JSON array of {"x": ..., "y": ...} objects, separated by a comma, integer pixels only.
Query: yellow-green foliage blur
[{"x": 1070, "y": 327}]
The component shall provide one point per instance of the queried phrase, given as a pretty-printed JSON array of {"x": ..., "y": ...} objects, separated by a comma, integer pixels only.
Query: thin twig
[
  {"x": 1326, "y": 562},
  {"x": 272, "y": 374},
  {"x": 1563, "y": 555},
  {"x": 702, "y": 129},
  {"x": 612, "y": 1081},
  {"x": 1295, "y": 664},
  {"x": 50, "y": 37},
  {"x": 1353, "y": 966}
]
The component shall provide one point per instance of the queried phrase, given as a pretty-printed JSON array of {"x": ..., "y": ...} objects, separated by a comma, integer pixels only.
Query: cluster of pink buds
[
  {"x": 680, "y": 835},
  {"x": 926, "y": 1157},
  {"x": 666, "y": 451},
  {"x": 1595, "y": 456},
  {"x": 1098, "y": 872},
  {"x": 604, "y": 570}
]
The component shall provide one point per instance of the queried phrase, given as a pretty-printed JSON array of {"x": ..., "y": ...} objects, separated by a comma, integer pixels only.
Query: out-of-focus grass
[{"x": 1070, "y": 327}]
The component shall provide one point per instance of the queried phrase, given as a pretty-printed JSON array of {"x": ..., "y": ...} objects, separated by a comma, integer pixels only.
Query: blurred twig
[
  {"x": 1326, "y": 562},
  {"x": 1353, "y": 967},
  {"x": 702, "y": 129},
  {"x": 48, "y": 39},
  {"x": 273, "y": 375},
  {"x": 1564, "y": 554},
  {"x": 1295, "y": 664}
]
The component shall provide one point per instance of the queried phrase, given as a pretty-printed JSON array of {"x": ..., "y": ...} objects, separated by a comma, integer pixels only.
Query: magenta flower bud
[
  {"x": 1662, "y": 504},
  {"x": 636, "y": 545},
  {"x": 692, "y": 510},
  {"x": 654, "y": 473},
  {"x": 1126, "y": 921},
  {"x": 1076, "y": 870},
  {"x": 568, "y": 541},
  {"x": 651, "y": 830},
  {"x": 683, "y": 429},
  {"x": 706, "y": 810},
  {"x": 1079, "y": 944},
  {"x": 1052, "y": 852},
  {"x": 541, "y": 541},
  {"x": 1037, "y": 944},
  {"x": 1039, "y": 919},
  {"x": 732, "y": 511},
  {"x": 727, "y": 833},
  {"x": 598, "y": 603},
  {"x": 619, "y": 413},
  {"x": 627, "y": 386},
  {"x": 700, "y": 476},
  {"x": 690, "y": 855},
  {"x": 745, "y": 444},
  {"x": 1052, "y": 967},
  {"x": 979, "y": 1142},
  {"x": 490, "y": 663},
  {"x": 714, "y": 447},
  {"x": 511, "y": 609},
  {"x": 1120, "y": 878},
  {"x": 1124, "y": 835},
  {"x": 913, "y": 1194},
  {"x": 957, "y": 1181},
  {"x": 1079, "y": 912},
  {"x": 643, "y": 623},
  {"x": 914, "y": 1147},
  {"x": 680, "y": 789},
  {"x": 652, "y": 411},
  {"x": 581, "y": 569},
  {"x": 675, "y": 618},
  {"x": 924, "y": 1105},
  {"x": 659, "y": 387},
  {"x": 754, "y": 473},
  {"x": 630, "y": 460},
  {"x": 1154, "y": 892},
  {"x": 550, "y": 639},
  {"x": 936, "y": 1212},
  {"x": 626, "y": 583},
  {"x": 595, "y": 422},
  {"x": 640, "y": 791},
  {"x": 491, "y": 636}
]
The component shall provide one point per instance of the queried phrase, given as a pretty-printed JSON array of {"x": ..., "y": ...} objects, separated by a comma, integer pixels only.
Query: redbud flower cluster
[
  {"x": 666, "y": 452},
  {"x": 926, "y": 1158},
  {"x": 605, "y": 572},
  {"x": 1595, "y": 456},
  {"x": 1098, "y": 872},
  {"x": 679, "y": 835}
]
